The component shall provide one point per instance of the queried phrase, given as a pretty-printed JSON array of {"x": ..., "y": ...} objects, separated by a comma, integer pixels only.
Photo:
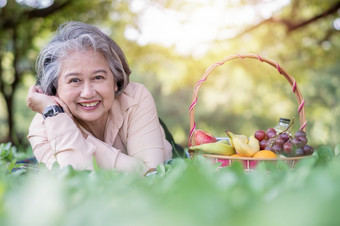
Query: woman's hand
[
  {"x": 63, "y": 105},
  {"x": 37, "y": 100}
]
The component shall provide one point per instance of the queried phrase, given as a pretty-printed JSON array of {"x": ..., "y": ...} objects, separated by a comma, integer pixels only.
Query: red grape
[
  {"x": 271, "y": 130},
  {"x": 284, "y": 136},
  {"x": 287, "y": 148},
  {"x": 279, "y": 141},
  {"x": 297, "y": 142},
  {"x": 299, "y": 152},
  {"x": 276, "y": 148},
  {"x": 308, "y": 150},
  {"x": 303, "y": 140},
  {"x": 260, "y": 135},
  {"x": 271, "y": 134},
  {"x": 300, "y": 133},
  {"x": 263, "y": 144},
  {"x": 271, "y": 141}
]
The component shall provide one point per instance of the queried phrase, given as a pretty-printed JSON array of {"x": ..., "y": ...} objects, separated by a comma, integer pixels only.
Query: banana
[
  {"x": 219, "y": 148},
  {"x": 223, "y": 142},
  {"x": 244, "y": 146}
]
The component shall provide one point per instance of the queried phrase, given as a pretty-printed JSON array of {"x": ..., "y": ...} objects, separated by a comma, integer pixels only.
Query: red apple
[{"x": 202, "y": 137}]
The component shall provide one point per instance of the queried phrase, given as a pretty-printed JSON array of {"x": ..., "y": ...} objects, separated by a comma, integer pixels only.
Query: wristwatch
[{"x": 52, "y": 110}]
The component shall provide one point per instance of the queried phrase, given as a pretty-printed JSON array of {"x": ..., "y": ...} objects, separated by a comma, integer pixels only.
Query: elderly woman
[{"x": 87, "y": 108}]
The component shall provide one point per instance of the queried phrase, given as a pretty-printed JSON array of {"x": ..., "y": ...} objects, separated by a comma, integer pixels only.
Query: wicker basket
[{"x": 249, "y": 163}]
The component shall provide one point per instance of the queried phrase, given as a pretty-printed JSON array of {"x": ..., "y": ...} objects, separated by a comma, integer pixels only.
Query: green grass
[{"x": 187, "y": 192}]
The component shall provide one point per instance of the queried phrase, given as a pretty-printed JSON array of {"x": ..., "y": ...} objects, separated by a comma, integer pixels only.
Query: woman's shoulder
[
  {"x": 136, "y": 90},
  {"x": 133, "y": 94}
]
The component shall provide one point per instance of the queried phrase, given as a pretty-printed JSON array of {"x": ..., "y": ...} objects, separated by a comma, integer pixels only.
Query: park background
[{"x": 170, "y": 43}]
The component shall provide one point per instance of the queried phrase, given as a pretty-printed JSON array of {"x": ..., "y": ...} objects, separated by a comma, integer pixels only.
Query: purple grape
[
  {"x": 308, "y": 150},
  {"x": 284, "y": 136},
  {"x": 271, "y": 130},
  {"x": 299, "y": 152},
  {"x": 276, "y": 148},
  {"x": 297, "y": 142},
  {"x": 303, "y": 140},
  {"x": 287, "y": 147},
  {"x": 260, "y": 135},
  {"x": 271, "y": 134},
  {"x": 263, "y": 144},
  {"x": 279, "y": 141},
  {"x": 271, "y": 141},
  {"x": 300, "y": 133}
]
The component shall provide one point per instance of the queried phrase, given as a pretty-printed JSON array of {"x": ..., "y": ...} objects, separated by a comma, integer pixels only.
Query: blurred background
[{"x": 169, "y": 45}]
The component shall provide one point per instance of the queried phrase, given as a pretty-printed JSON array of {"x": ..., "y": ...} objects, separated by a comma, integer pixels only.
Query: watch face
[{"x": 50, "y": 112}]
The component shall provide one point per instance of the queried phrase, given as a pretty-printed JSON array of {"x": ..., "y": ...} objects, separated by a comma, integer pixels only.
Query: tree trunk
[{"x": 10, "y": 119}]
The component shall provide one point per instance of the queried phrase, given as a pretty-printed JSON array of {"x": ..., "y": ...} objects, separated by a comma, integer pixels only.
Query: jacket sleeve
[
  {"x": 146, "y": 139},
  {"x": 58, "y": 139}
]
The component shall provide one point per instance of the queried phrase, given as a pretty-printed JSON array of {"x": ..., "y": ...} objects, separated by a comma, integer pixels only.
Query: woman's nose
[{"x": 88, "y": 90}]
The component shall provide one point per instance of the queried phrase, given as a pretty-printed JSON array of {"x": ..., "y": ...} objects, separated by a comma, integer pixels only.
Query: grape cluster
[{"x": 283, "y": 143}]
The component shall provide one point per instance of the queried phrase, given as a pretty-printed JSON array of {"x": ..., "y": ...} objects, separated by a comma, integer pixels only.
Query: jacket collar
[{"x": 116, "y": 115}]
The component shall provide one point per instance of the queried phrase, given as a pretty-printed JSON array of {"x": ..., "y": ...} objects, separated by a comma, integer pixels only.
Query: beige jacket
[{"x": 134, "y": 139}]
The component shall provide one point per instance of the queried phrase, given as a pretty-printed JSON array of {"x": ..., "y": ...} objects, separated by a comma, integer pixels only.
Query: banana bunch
[
  {"x": 244, "y": 146},
  {"x": 221, "y": 147}
]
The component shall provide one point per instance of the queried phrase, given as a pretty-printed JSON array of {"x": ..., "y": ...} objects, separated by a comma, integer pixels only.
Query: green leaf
[
  {"x": 11, "y": 166},
  {"x": 95, "y": 165},
  {"x": 337, "y": 150},
  {"x": 325, "y": 154}
]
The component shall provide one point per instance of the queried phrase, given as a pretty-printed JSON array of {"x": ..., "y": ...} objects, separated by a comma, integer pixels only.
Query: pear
[
  {"x": 219, "y": 148},
  {"x": 203, "y": 137},
  {"x": 240, "y": 137},
  {"x": 244, "y": 146}
]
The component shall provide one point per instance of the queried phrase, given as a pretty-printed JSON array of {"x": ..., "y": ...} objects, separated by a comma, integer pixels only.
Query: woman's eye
[
  {"x": 98, "y": 77},
  {"x": 73, "y": 80}
]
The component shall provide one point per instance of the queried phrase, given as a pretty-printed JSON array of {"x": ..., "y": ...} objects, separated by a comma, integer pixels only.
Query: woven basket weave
[{"x": 249, "y": 163}]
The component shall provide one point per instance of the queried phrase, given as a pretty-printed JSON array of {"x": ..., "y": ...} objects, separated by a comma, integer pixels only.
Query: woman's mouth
[{"x": 89, "y": 105}]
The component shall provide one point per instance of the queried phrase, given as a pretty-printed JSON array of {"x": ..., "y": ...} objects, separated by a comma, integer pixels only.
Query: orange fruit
[
  {"x": 236, "y": 155},
  {"x": 265, "y": 154}
]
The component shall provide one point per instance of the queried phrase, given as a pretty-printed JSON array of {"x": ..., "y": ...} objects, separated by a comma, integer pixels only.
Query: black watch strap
[{"x": 52, "y": 110}]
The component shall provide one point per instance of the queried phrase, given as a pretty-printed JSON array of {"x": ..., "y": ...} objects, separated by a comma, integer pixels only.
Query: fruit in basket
[
  {"x": 265, "y": 154},
  {"x": 285, "y": 144},
  {"x": 219, "y": 148},
  {"x": 276, "y": 148},
  {"x": 263, "y": 144},
  {"x": 203, "y": 137},
  {"x": 308, "y": 150},
  {"x": 287, "y": 148},
  {"x": 243, "y": 138},
  {"x": 300, "y": 133},
  {"x": 260, "y": 135},
  {"x": 298, "y": 152},
  {"x": 271, "y": 133},
  {"x": 236, "y": 155},
  {"x": 244, "y": 146}
]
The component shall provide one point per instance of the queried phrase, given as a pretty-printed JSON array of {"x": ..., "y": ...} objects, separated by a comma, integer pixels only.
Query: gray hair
[{"x": 79, "y": 36}]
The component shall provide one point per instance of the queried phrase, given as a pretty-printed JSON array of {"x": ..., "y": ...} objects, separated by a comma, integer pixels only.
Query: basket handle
[{"x": 289, "y": 78}]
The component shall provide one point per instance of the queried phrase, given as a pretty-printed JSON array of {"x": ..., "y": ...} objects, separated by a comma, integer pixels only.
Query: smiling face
[{"x": 86, "y": 85}]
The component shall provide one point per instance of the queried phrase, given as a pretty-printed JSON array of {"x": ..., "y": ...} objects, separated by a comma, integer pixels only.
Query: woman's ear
[{"x": 116, "y": 88}]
